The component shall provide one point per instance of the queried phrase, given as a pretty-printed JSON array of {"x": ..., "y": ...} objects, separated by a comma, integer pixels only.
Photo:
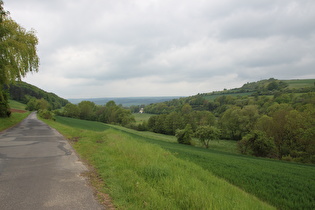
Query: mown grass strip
[{"x": 141, "y": 175}]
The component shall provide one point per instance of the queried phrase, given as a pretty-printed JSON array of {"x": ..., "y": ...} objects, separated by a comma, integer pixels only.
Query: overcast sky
[{"x": 120, "y": 48}]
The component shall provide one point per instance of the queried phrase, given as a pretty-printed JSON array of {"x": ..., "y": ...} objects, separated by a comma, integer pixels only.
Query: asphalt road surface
[{"x": 39, "y": 170}]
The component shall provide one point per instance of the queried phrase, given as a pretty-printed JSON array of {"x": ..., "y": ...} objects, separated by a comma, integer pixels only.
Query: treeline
[
  {"x": 109, "y": 113},
  {"x": 280, "y": 126},
  {"x": 24, "y": 93}
]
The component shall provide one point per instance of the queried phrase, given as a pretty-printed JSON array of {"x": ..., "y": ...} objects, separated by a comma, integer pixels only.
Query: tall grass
[{"x": 141, "y": 175}]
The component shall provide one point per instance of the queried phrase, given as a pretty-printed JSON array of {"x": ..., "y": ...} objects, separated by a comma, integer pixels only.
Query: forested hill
[
  {"x": 23, "y": 92},
  {"x": 213, "y": 100}
]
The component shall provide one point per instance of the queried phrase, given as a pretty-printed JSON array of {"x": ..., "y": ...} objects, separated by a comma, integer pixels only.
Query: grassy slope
[
  {"x": 297, "y": 83},
  {"x": 15, "y": 117},
  {"x": 285, "y": 185},
  {"x": 17, "y": 105},
  {"x": 140, "y": 174}
]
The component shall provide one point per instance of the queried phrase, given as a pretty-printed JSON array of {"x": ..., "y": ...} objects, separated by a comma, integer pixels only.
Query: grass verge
[{"x": 14, "y": 119}]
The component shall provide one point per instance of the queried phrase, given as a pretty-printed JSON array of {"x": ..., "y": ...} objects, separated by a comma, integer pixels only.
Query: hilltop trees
[{"x": 18, "y": 55}]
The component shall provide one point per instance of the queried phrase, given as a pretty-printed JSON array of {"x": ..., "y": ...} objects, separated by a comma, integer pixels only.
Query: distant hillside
[
  {"x": 210, "y": 101},
  {"x": 22, "y": 92},
  {"x": 127, "y": 101},
  {"x": 267, "y": 87}
]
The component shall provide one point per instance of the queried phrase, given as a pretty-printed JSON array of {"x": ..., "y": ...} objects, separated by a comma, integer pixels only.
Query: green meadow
[
  {"x": 140, "y": 118},
  {"x": 15, "y": 116},
  {"x": 142, "y": 170},
  {"x": 303, "y": 83}
]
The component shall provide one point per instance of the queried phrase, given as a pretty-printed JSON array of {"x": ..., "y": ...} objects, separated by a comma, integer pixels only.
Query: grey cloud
[{"x": 176, "y": 46}]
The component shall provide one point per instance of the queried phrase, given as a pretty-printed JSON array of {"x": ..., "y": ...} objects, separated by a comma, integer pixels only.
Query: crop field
[
  {"x": 140, "y": 118},
  {"x": 282, "y": 184},
  {"x": 300, "y": 83}
]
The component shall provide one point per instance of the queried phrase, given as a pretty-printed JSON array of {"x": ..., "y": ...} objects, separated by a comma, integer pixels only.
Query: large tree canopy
[{"x": 18, "y": 54}]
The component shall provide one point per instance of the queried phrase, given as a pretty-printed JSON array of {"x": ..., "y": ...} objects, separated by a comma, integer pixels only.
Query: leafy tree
[
  {"x": 18, "y": 54},
  {"x": 42, "y": 104},
  {"x": 236, "y": 122},
  {"x": 184, "y": 136},
  {"x": 71, "y": 110},
  {"x": 186, "y": 109},
  {"x": 87, "y": 110},
  {"x": 173, "y": 122},
  {"x": 257, "y": 143},
  {"x": 37, "y": 104},
  {"x": 207, "y": 133},
  {"x": 46, "y": 114}
]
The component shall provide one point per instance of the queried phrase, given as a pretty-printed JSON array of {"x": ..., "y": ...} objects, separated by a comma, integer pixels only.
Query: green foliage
[
  {"x": 237, "y": 122},
  {"x": 46, "y": 114},
  {"x": 87, "y": 110},
  {"x": 184, "y": 136},
  {"x": 23, "y": 92},
  {"x": 18, "y": 50},
  {"x": 37, "y": 104},
  {"x": 110, "y": 113},
  {"x": 18, "y": 55},
  {"x": 4, "y": 104},
  {"x": 71, "y": 110},
  {"x": 284, "y": 116},
  {"x": 207, "y": 133},
  {"x": 257, "y": 143}
]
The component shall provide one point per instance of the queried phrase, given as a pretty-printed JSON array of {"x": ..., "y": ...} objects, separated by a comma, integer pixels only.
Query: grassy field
[
  {"x": 140, "y": 118},
  {"x": 300, "y": 83},
  {"x": 16, "y": 105},
  {"x": 12, "y": 120},
  {"x": 148, "y": 165},
  {"x": 15, "y": 117}
]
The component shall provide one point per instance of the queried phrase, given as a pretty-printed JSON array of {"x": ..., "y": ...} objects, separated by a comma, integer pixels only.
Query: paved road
[{"x": 39, "y": 170}]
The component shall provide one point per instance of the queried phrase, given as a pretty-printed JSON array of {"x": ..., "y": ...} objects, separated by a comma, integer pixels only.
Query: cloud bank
[{"x": 118, "y": 48}]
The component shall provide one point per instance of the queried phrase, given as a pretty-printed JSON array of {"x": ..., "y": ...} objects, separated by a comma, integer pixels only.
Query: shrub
[
  {"x": 184, "y": 136},
  {"x": 44, "y": 113}
]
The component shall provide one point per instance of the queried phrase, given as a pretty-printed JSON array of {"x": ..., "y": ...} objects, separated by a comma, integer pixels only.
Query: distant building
[{"x": 141, "y": 111}]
